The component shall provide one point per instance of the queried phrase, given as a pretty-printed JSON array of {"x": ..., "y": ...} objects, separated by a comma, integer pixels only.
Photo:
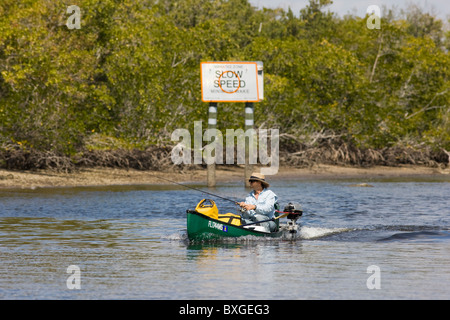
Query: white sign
[{"x": 230, "y": 81}]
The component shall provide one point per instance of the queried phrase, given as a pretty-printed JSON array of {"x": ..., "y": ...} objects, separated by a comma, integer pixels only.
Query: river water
[{"x": 387, "y": 241}]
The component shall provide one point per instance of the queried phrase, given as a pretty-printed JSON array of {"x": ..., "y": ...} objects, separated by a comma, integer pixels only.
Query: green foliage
[{"x": 131, "y": 73}]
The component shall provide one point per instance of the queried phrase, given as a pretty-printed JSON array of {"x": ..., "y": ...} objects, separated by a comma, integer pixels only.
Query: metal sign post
[
  {"x": 212, "y": 124},
  {"x": 248, "y": 169}
]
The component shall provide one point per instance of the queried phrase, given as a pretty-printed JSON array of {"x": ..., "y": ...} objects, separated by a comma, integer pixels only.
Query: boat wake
[
  {"x": 178, "y": 236},
  {"x": 368, "y": 234},
  {"x": 377, "y": 234},
  {"x": 309, "y": 233}
]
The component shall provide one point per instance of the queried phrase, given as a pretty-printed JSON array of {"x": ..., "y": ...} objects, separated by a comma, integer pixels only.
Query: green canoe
[
  {"x": 202, "y": 227},
  {"x": 205, "y": 223}
]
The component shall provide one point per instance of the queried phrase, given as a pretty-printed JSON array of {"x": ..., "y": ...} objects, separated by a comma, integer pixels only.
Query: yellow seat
[{"x": 230, "y": 218}]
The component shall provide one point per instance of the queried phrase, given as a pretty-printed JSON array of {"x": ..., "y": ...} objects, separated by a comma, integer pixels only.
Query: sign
[{"x": 230, "y": 81}]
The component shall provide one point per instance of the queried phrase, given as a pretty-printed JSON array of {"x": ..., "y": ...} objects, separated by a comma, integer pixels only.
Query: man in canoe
[{"x": 260, "y": 203}]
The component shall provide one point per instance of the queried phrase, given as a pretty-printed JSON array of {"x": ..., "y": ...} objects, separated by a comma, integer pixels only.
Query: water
[{"x": 130, "y": 243}]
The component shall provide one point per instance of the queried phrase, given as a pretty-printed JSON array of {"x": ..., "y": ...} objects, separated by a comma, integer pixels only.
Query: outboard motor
[
  {"x": 295, "y": 212},
  {"x": 294, "y": 209}
]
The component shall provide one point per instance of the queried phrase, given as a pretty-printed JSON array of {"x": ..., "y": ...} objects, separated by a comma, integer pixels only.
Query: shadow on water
[{"x": 420, "y": 236}]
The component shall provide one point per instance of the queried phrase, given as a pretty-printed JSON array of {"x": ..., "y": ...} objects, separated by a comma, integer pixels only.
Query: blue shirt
[{"x": 265, "y": 204}]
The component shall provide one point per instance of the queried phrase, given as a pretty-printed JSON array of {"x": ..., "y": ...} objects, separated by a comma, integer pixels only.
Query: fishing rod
[{"x": 208, "y": 193}]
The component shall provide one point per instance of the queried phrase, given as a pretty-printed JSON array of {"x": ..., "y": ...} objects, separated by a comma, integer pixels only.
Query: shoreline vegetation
[
  {"x": 106, "y": 99},
  {"x": 31, "y": 169}
]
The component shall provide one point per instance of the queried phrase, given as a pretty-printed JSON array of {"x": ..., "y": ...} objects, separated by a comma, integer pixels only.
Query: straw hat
[{"x": 259, "y": 177}]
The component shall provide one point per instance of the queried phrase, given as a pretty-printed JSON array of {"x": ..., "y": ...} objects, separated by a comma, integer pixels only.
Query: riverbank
[{"x": 11, "y": 179}]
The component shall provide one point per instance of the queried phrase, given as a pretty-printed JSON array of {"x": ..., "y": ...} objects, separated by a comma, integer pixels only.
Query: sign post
[
  {"x": 248, "y": 169},
  {"x": 212, "y": 123},
  {"x": 231, "y": 81}
]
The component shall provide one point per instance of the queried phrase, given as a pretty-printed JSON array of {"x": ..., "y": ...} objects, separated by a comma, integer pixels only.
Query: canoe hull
[{"x": 204, "y": 228}]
